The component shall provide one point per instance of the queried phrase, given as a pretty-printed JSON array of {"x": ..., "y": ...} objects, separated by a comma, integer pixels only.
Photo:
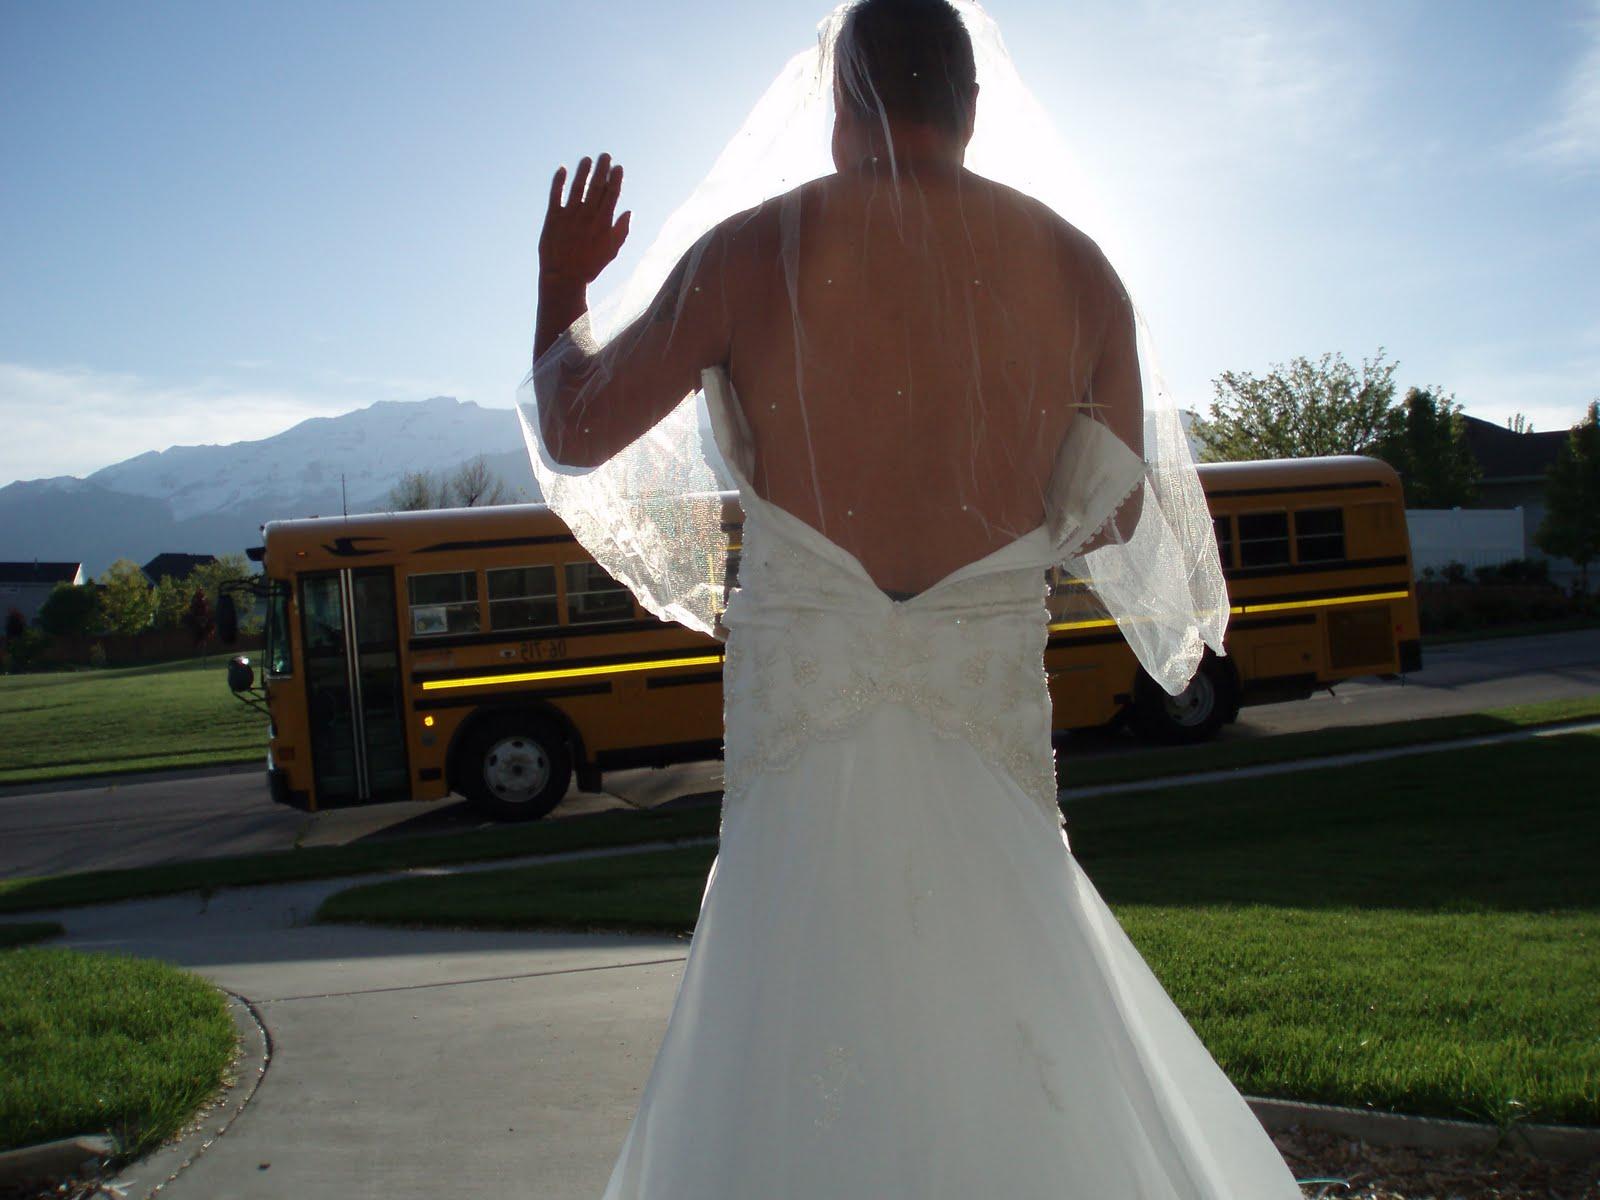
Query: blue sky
[{"x": 216, "y": 220}]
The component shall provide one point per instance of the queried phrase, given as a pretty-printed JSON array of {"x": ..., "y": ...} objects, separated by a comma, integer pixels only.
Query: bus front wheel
[
  {"x": 1194, "y": 714},
  {"x": 516, "y": 768}
]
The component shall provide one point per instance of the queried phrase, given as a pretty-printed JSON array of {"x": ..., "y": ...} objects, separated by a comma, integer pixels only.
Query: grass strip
[
  {"x": 625, "y": 828},
  {"x": 390, "y": 854},
  {"x": 1156, "y": 763},
  {"x": 24, "y": 933},
  {"x": 1418, "y": 935},
  {"x": 103, "y": 1043},
  {"x": 77, "y": 724}
]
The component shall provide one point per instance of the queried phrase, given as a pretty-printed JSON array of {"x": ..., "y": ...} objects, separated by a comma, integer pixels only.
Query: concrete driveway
[{"x": 408, "y": 1063}]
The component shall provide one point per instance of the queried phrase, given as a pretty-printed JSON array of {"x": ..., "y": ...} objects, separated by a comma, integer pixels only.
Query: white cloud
[
  {"x": 73, "y": 420},
  {"x": 1570, "y": 139}
]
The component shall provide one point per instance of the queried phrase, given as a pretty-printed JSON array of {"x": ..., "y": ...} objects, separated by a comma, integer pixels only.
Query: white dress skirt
[{"x": 902, "y": 985}]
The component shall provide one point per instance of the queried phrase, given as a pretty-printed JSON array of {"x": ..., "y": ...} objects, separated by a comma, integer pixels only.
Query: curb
[
  {"x": 147, "y": 1176},
  {"x": 1567, "y": 1143},
  {"x": 66, "y": 1158}
]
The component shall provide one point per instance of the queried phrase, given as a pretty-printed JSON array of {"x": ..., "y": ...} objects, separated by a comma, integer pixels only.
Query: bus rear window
[
  {"x": 1223, "y": 527},
  {"x": 1263, "y": 539},
  {"x": 522, "y": 598},
  {"x": 1319, "y": 534},
  {"x": 444, "y": 603},
  {"x": 592, "y": 595}
]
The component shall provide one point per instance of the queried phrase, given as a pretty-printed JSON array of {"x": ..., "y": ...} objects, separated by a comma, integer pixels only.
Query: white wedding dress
[{"x": 902, "y": 985}]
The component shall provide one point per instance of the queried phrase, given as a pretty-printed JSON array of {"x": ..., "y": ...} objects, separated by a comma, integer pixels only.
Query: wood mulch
[{"x": 1372, "y": 1172}]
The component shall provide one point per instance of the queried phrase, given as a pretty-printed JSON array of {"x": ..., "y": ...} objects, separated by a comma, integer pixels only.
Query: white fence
[{"x": 1474, "y": 537}]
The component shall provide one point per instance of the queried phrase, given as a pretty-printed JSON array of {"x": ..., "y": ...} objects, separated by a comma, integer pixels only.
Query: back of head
[{"x": 906, "y": 60}]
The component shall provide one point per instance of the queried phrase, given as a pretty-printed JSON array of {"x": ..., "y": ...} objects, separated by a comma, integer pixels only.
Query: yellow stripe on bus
[
  {"x": 655, "y": 664},
  {"x": 1240, "y": 609}
]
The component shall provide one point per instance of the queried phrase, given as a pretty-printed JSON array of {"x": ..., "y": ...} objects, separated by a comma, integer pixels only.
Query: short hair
[{"x": 911, "y": 57}]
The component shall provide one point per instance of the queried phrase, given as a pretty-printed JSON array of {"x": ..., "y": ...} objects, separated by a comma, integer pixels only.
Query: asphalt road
[{"x": 151, "y": 820}]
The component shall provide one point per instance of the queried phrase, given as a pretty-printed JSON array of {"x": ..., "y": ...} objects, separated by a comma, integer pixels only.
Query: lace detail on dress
[{"x": 812, "y": 649}]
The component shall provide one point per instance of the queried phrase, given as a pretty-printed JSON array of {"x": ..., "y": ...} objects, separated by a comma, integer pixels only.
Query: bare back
[{"x": 908, "y": 369}]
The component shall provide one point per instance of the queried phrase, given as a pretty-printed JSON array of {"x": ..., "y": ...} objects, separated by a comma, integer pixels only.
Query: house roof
[
  {"x": 175, "y": 566},
  {"x": 1504, "y": 455},
  {"x": 39, "y": 572}
]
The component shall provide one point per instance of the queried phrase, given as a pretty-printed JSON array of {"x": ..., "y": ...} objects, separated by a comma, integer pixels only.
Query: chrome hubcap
[
  {"x": 516, "y": 768},
  {"x": 1193, "y": 705}
]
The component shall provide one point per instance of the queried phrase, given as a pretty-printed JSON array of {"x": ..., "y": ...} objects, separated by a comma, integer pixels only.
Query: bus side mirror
[
  {"x": 228, "y": 622},
  {"x": 240, "y": 677}
]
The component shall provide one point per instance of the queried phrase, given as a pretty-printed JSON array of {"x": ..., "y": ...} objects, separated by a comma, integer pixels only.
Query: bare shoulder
[{"x": 1081, "y": 260}]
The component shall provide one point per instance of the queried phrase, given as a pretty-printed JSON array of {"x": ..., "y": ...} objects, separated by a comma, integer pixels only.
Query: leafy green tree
[
  {"x": 128, "y": 600},
  {"x": 230, "y": 568},
  {"x": 171, "y": 601},
  {"x": 70, "y": 610},
  {"x": 1299, "y": 410},
  {"x": 1571, "y": 525},
  {"x": 1426, "y": 443}
]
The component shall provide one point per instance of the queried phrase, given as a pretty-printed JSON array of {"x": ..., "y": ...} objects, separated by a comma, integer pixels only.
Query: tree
[
  {"x": 197, "y": 619},
  {"x": 127, "y": 598},
  {"x": 1519, "y": 423},
  {"x": 415, "y": 491},
  {"x": 1426, "y": 443},
  {"x": 70, "y": 611},
  {"x": 474, "y": 484},
  {"x": 171, "y": 601},
  {"x": 1571, "y": 525},
  {"x": 1299, "y": 410},
  {"x": 16, "y": 625}
]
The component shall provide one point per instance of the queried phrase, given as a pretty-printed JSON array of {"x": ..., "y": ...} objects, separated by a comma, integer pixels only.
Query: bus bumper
[
  {"x": 1410, "y": 656},
  {"x": 278, "y": 788}
]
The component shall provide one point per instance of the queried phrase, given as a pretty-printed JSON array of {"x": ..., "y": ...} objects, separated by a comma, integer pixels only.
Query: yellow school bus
[
  {"x": 482, "y": 652},
  {"x": 1320, "y": 589}
]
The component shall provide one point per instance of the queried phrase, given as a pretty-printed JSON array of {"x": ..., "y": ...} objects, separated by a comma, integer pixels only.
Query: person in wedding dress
[{"x": 926, "y": 386}]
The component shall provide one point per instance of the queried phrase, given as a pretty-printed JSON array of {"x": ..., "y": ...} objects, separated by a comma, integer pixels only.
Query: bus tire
[
  {"x": 1195, "y": 714},
  {"x": 516, "y": 767}
]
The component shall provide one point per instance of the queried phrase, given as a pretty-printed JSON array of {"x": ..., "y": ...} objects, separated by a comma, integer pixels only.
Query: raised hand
[{"x": 582, "y": 236}]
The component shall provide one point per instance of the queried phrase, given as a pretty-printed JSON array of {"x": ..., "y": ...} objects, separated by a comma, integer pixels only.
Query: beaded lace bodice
[{"x": 814, "y": 644}]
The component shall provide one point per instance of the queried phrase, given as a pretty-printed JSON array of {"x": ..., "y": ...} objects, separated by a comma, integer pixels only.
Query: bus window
[
  {"x": 1223, "y": 527},
  {"x": 522, "y": 598},
  {"x": 1319, "y": 534},
  {"x": 444, "y": 603},
  {"x": 592, "y": 595},
  {"x": 280, "y": 663},
  {"x": 1263, "y": 539}
]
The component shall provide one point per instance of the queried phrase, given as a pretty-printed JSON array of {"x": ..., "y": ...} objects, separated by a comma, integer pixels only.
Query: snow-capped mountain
[
  {"x": 213, "y": 499},
  {"x": 371, "y": 447}
]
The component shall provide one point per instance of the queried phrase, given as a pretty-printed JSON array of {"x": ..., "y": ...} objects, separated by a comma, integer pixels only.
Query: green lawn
[
  {"x": 77, "y": 723},
  {"x": 391, "y": 854},
  {"x": 1421, "y": 935},
  {"x": 1156, "y": 762},
  {"x": 102, "y": 1043}
]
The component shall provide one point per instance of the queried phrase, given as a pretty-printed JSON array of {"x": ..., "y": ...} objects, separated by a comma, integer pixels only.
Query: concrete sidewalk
[{"x": 407, "y": 1063}]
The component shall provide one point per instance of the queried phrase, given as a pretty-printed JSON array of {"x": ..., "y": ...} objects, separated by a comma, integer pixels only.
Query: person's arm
[
  {"x": 1116, "y": 400},
  {"x": 594, "y": 403}
]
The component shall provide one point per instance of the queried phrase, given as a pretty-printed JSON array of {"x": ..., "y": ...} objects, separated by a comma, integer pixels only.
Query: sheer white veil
[{"x": 652, "y": 515}]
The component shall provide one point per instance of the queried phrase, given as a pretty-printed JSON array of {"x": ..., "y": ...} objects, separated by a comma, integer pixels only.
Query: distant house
[
  {"x": 174, "y": 566},
  {"x": 1513, "y": 466},
  {"x": 25, "y": 585}
]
